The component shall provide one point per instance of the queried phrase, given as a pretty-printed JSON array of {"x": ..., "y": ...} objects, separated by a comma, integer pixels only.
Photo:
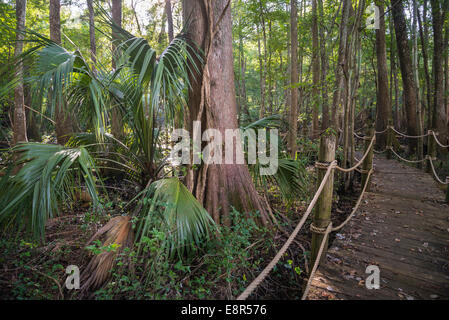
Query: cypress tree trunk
[
  {"x": 439, "y": 9},
  {"x": 339, "y": 79},
  {"x": 405, "y": 62},
  {"x": 324, "y": 68},
  {"x": 116, "y": 122},
  {"x": 169, "y": 15},
  {"x": 63, "y": 126},
  {"x": 217, "y": 187},
  {"x": 315, "y": 70},
  {"x": 383, "y": 96},
  {"x": 293, "y": 80},
  {"x": 93, "y": 45},
  {"x": 19, "y": 129}
]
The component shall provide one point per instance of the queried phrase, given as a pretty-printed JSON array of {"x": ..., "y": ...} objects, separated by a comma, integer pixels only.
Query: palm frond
[
  {"x": 185, "y": 221},
  {"x": 48, "y": 176},
  {"x": 117, "y": 234}
]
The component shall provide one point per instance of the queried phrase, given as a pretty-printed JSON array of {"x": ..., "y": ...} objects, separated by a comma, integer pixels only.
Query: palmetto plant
[{"x": 146, "y": 90}]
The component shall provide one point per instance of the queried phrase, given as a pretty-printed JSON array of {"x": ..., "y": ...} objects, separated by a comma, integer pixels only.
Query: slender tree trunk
[
  {"x": 293, "y": 118},
  {"x": 324, "y": 68},
  {"x": 383, "y": 96},
  {"x": 339, "y": 78},
  {"x": 168, "y": 12},
  {"x": 261, "y": 76},
  {"x": 63, "y": 126},
  {"x": 446, "y": 74},
  {"x": 439, "y": 9},
  {"x": 133, "y": 8},
  {"x": 116, "y": 118},
  {"x": 19, "y": 128},
  {"x": 406, "y": 71},
  {"x": 415, "y": 62},
  {"x": 93, "y": 45},
  {"x": 212, "y": 100},
  {"x": 423, "y": 38},
  {"x": 315, "y": 70}
]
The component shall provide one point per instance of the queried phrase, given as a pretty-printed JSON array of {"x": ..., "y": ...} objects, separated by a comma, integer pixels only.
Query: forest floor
[{"x": 403, "y": 228}]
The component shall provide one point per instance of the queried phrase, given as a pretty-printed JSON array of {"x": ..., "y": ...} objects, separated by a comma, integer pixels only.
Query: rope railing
[
  {"x": 361, "y": 160},
  {"x": 427, "y": 157},
  {"x": 438, "y": 141},
  {"x": 435, "y": 173},
  {"x": 327, "y": 230},
  {"x": 253, "y": 285},
  {"x": 329, "y": 169},
  {"x": 403, "y": 159}
]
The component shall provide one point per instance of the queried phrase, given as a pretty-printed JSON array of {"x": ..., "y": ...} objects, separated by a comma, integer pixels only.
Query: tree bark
[
  {"x": 212, "y": 100},
  {"x": 19, "y": 129},
  {"x": 383, "y": 96},
  {"x": 168, "y": 12},
  {"x": 93, "y": 45},
  {"x": 293, "y": 117},
  {"x": 423, "y": 38},
  {"x": 324, "y": 67},
  {"x": 116, "y": 122},
  {"x": 315, "y": 70},
  {"x": 439, "y": 9},
  {"x": 261, "y": 77},
  {"x": 63, "y": 125},
  {"x": 339, "y": 83},
  {"x": 406, "y": 72}
]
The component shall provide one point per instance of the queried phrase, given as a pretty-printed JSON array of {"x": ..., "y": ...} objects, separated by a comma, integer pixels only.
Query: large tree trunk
[
  {"x": 19, "y": 128},
  {"x": 315, "y": 70},
  {"x": 212, "y": 100},
  {"x": 406, "y": 71},
  {"x": 116, "y": 122},
  {"x": 383, "y": 97},
  {"x": 63, "y": 125},
  {"x": 439, "y": 9},
  {"x": 293, "y": 117},
  {"x": 93, "y": 45}
]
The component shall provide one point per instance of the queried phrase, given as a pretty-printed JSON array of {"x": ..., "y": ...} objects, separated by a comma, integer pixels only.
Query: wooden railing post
[
  {"x": 389, "y": 139},
  {"x": 368, "y": 162},
  {"x": 322, "y": 212}
]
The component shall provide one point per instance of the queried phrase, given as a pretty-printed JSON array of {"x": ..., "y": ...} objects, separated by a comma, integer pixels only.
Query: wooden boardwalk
[{"x": 403, "y": 228}]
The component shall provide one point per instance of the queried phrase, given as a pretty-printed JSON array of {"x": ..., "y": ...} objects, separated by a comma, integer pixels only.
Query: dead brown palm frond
[{"x": 118, "y": 231}]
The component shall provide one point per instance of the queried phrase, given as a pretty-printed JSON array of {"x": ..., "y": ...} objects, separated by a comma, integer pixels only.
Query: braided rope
[
  {"x": 253, "y": 285},
  {"x": 327, "y": 231},
  {"x": 361, "y": 160},
  {"x": 360, "y": 137},
  {"x": 357, "y": 204},
  {"x": 435, "y": 173},
  {"x": 316, "y": 229},
  {"x": 436, "y": 139},
  {"x": 379, "y": 152},
  {"x": 403, "y": 159},
  {"x": 386, "y": 129},
  {"x": 317, "y": 260},
  {"x": 407, "y": 136}
]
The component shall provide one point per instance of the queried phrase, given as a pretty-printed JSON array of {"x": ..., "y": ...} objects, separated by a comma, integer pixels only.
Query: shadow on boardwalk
[{"x": 403, "y": 228}]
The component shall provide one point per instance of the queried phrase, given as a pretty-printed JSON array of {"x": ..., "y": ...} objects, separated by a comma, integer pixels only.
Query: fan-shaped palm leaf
[
  {"x": 48, "y": 176},
  {"x": 186, "y": 221}
]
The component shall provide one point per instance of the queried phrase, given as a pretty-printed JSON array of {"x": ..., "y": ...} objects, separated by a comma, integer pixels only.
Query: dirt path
[{"x": 403, "y": 228}]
